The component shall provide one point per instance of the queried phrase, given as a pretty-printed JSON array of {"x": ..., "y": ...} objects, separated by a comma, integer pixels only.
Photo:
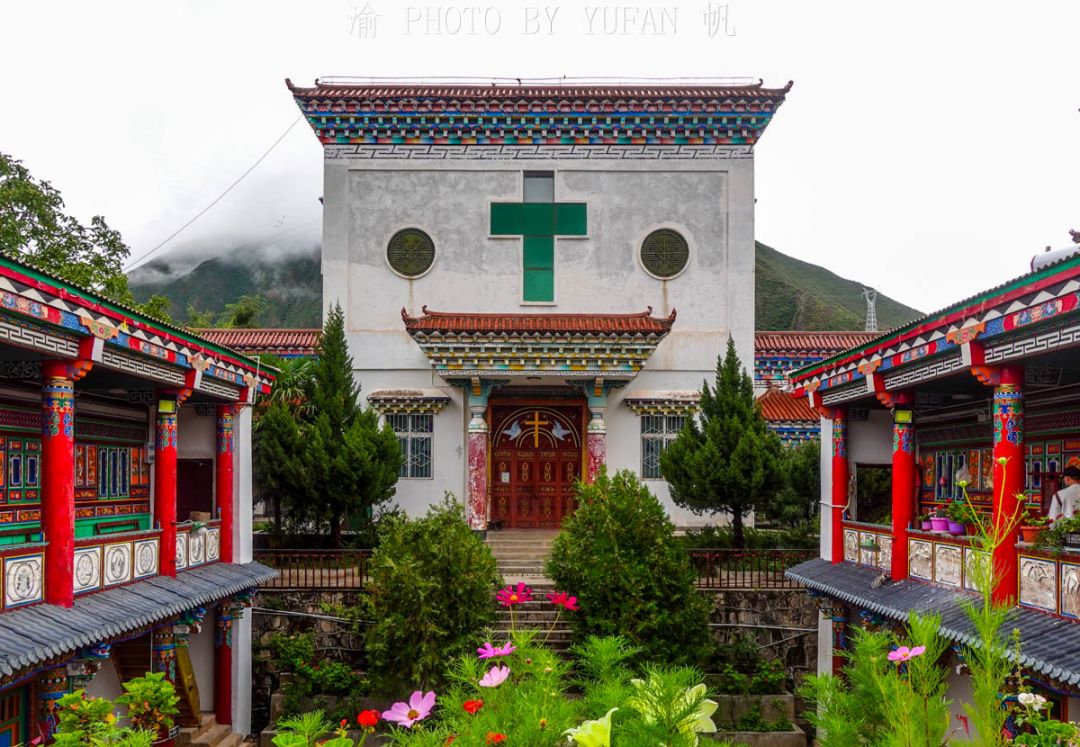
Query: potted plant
[
  {"x": 1032, "y": 525},
  {"x": 939, "y": 522},
  {"x": 924, "y": 522},
  {"x": 151, "y": 701},
  {"x": 963, "y": 519},
  {"x": 1061, "y": 534}
]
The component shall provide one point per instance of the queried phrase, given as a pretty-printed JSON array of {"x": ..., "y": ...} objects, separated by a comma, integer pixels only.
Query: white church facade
[{"x": 536, "y": 280}]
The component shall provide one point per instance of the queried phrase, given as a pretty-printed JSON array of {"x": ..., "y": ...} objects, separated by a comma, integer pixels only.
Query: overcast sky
[{"x": 927, "y": 148}]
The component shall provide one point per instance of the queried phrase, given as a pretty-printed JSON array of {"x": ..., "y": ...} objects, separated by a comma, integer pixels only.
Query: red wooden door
[{"x": 536, "y": 459}]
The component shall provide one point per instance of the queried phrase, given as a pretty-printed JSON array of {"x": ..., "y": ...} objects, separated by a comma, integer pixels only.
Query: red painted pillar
[
  {"x": 224, "y": 478},
  {"x": 58, "y": 478},
  {"x": 1008, "y": 417},
  {"x": 165, "y": 481},
  {"x": 904, "y": 484},
  {"x": 839, "y": 498},
  {"x": 223, "y": 663}
]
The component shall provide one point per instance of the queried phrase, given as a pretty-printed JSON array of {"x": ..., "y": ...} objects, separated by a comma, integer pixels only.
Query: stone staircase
[
  {"x": 520, "y": 554},
  {"x": 209, "y": 733}
]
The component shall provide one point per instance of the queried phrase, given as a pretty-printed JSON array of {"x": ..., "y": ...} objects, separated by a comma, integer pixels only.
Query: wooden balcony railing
[
  {"x": 746, "y": 569},
  {"x": 316, "y": 569}
]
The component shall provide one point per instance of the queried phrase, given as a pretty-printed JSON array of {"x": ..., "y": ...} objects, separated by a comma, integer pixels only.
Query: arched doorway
[{"x": 536, "y": 457}]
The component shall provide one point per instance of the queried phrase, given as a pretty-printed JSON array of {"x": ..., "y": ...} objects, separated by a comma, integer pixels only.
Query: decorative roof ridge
[
  {"x": 477, "y": 90},
  {"x": 317, "y": 330},
  {"x": 427, "y": 313}
]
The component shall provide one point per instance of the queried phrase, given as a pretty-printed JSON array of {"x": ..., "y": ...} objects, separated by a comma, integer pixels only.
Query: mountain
[
  {"x": 290, "y": 281},
  {"x": 791, "y": 294},
  {"x": 796, "y": 295}
]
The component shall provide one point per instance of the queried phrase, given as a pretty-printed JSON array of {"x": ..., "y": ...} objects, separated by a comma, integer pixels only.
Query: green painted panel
[
  {"x": 539, "y": 285},
  {"x": 571, "y": 219},
  {"x": 506, "y": 218},
  {"x": 538, "y": 253},
  {"x": 33, "y": 534},
  {"x": 132, "y": 522}
]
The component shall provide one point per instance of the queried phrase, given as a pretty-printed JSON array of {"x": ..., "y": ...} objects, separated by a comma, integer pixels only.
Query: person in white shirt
[{"x": 1067, "y": 500}]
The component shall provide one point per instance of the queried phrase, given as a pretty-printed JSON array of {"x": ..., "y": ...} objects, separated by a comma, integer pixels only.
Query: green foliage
[
  {"x": 617, "y": 553},
  {"x": 603, "y": 666},
  {"x": 34, "y": 226},
  {"x": 91, "y": 722},
  {"x": 797, "y": 502},
  {"x": 151, "y": 701},
  {"x": 431, "y": 595},
  {"x": 277, "y": 469},
  {"x": 349, "y": 463},
  {"x": 730, "y": 461},
  {"x": 302, "y": 729},
  {"x": 801, "y": 537},
  {"x": 766, "y": 677},
  {"x": 1053, "y": 538},
  {"x": 309, "y": 678}
]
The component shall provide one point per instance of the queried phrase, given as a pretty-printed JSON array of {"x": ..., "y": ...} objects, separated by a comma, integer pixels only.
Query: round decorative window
[
  {"x": 664, "y": 253},
  {"x": 411, "y": 252}
]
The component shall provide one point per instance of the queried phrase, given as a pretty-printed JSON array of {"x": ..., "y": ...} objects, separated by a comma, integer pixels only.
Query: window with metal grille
[
  {"x": 414, "y": 434},
  {"x": 657, "y": 431}
]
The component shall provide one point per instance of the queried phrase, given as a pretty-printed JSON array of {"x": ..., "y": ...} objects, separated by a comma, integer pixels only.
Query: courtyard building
[
  {"x": 982, "y": 395},
  {"x": 536, "y": 280},
  {"x": 125, "y": 507}
]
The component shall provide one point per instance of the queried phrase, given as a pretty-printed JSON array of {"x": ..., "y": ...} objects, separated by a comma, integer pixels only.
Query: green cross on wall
[{"x": 538, "y": 223}]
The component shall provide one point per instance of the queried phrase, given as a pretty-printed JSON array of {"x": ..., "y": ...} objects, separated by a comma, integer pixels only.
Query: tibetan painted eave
[
  {"x": 537, "y": 115},
  {"x": 285, "y": 343},
  {"x": 462, "y": 345},
  {"x": 42, "y": 312},
  {"x": 1035, "y": 313}
]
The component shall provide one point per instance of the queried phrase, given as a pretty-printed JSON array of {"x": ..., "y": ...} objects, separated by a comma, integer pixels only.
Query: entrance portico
[{"x": 537, "y": 387}]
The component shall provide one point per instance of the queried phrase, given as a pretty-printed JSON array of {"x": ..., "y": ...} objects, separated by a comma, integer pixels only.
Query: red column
[
  {"x": 58, "y": 477},
  {"x": 1008, "y": 417},
  {"x": 223, "y": 663},
  {"x": 839, "y": 496},
  {"x": 224, "y": 479},
  {"x": 904, "y": 484},
  {"x": 165, "y": 482}
]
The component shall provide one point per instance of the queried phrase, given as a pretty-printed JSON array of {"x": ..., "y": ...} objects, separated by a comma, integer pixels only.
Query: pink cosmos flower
[
  {"x": 417, "y": 709},
  {"x": 512, "y": 595},
  {"x": 564, "y": 600},
  {"x": 495, "y": 677},
  {"x": 487, "y": 651},
  {"x": 905, "y": 654}
]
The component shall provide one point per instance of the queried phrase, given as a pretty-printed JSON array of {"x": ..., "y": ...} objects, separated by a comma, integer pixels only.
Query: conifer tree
[
  {"x": 349, "y": 463},
  {"x": 729, "y": 461}
]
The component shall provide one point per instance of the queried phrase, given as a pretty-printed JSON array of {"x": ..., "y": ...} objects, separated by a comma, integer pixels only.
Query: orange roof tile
[
  {"x": 600, "y": 324},
  {"x": 810, "y": 342},
  {"x": 273, "y": 341},
  {"x": 777, "y": 405}
]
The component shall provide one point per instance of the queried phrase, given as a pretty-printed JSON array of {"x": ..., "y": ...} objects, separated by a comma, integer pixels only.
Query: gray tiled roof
[
  {"x": 36, "y": 634},
  {"x": 1049, "y": 645}
]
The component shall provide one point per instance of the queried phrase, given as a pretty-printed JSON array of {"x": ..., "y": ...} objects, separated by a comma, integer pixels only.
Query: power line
[{"x": 218, "y": 199}]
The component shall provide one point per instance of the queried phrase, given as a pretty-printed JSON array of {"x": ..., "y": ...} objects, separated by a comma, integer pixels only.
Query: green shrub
[
  {"x": 431, "y": 595},
  {"x": 617, "y": 553},
  {"x": 311, "y": 677},
  {"x": 800, "y": 537}
]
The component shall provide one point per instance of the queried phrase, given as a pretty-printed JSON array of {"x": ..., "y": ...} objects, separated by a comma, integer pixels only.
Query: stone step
[
  {"x": 213, "y": 737},
  {"x": 521, "y": 553},
  {"x": 563, "y": 636}
]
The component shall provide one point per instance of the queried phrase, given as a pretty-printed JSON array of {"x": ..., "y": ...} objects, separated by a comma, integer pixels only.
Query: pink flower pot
[
  {"x": 926, "y": 525},
  {"x": 939, "y": 524},
  {"x": 956, "y": 528}
]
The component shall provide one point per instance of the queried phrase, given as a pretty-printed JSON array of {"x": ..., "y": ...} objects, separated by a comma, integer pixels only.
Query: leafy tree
[
  {"x": 197, "y": 319},
  {"x": 618, "y": 554},
  {"x": 243, "y": 313},
  {"x": 431, "y": 587},
  {"x": 33, "y": 225},
  {"x": 276, "y": 446},
  {"x": 797, "y": 502},
  {"x": 350, "y": 463},
  {"x": 731, "y": 460}
]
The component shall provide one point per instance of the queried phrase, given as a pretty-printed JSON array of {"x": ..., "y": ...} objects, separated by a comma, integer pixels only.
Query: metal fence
[
  {"x": 746, "y": 569},
  {"x": 316, "y": 569}
]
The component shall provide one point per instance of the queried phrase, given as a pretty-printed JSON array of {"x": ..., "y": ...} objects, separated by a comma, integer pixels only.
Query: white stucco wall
[
  {"x": 106, "y": 683},
  {"x": 825, "y": 514},
  {"x": 201, "y": 652},
  {"x": 242, "y": 553},
  {"x": 709, "y": 201},
  {"x": 197, "y": 434}
]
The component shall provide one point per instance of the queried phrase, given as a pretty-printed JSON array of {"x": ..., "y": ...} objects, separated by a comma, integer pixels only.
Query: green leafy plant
[
  {"x": 302, "y": 729},
  {"x": 1043, "y": 730},
  {"x": 618, "y": 553},
  {"x": 1054, "y": 538},
  {"x": 84, "y": 721},
  {"x": 151, "y": 701},
  {"x": 431, "y": 589}
]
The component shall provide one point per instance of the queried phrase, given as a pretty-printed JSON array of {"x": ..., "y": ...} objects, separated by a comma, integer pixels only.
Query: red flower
[
  {"x": 450, "y": 740},
  {"x": 512, "y": 595},
  {"x": 472, "y": 706},
  {"x": 564, "y": 600},
  {"x": 494, "y": 737},
  {"x": 344, "y": 723},
  {"x": 368, "y": 719}
]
